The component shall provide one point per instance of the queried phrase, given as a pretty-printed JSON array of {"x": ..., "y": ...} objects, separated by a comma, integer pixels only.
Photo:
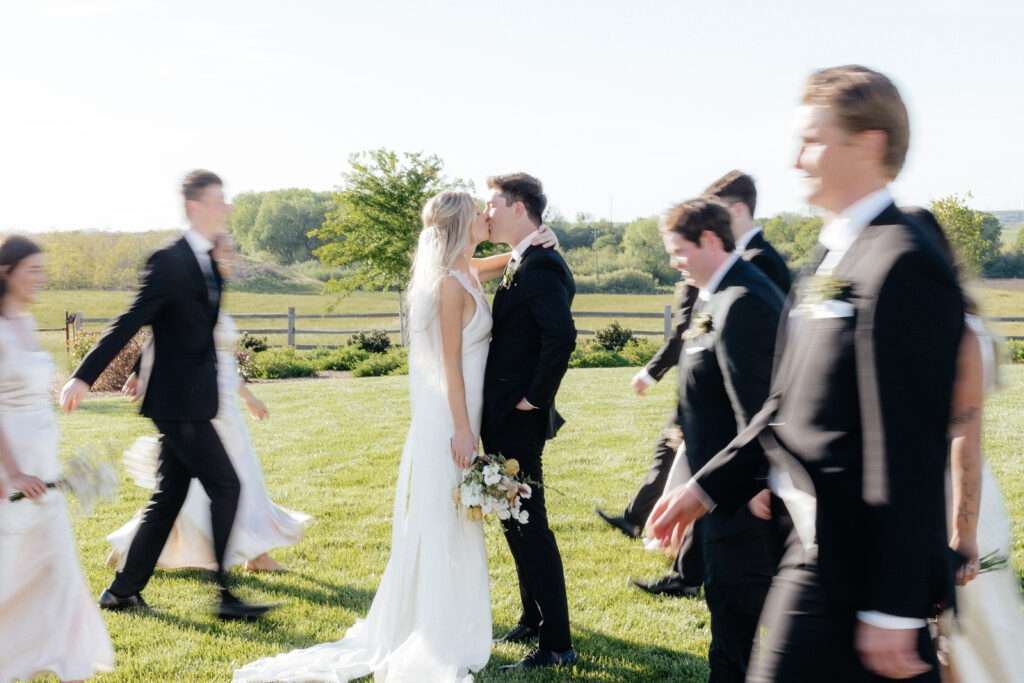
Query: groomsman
[
  {"x": 738, "y": 192},
  {"x": 179, "y": 296},
  {"x": 855, "y": 425},
  {"x": 724, "y": 373}
]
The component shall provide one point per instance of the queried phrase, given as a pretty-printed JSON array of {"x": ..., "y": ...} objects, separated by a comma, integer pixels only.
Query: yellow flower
[
  {"x": 474, "y": 514},
  {"x": 512, "y": 467}
]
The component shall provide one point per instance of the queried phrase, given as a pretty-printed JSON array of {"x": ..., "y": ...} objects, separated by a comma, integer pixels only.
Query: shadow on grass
[
  {"x": 315, "y": 591},
  {"x": 601, "y": 657}
]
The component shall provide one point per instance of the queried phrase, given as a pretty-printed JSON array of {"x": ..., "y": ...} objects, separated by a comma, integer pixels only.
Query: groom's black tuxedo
[
  {"x": 724, "y": 374},
  {"x": 181, "y": 303},
  {"x": 857, "y": 417},
  {"x": 532, "y": 337}
]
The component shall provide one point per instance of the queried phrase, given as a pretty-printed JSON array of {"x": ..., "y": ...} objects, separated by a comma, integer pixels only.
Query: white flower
[
  {"x": 504, "y": 513},
  {"x": 525, "y": 492},
  {"x": 491, "y": 475}
]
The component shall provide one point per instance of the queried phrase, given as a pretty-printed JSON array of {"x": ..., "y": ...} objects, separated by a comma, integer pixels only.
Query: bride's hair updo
[
  {"x": 13, "y": 251},
  {"x": 447, "y": 221}
]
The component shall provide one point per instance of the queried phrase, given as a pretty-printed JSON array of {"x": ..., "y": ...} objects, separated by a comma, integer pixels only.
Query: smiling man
[{"x": 855, "y": 424}]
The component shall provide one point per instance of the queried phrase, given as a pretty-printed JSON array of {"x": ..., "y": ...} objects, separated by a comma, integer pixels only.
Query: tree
[
  {"x": 992, "y": 234},
  {"x": 278, "y": 223},
  {"x": 642, "y": 243},
  {"x": 793, "y": 235},
  {"x": 963, "y": 226},
  {"x": 375, "y": 223}
]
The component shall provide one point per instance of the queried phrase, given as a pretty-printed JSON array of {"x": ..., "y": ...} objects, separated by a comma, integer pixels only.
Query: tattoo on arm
[{"x": 967, "y": 416}]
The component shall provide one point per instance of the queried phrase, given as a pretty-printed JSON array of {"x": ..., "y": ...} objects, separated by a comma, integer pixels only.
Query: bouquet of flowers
[
  {"x": 490, "y": 486},
  {"x": 89, "y": 477}
]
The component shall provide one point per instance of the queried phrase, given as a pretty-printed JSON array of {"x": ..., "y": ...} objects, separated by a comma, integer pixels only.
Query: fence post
[
  {"x": 67, "y": 331},
  {"x": 291, "y": 326},
  {"x": 401, "y": 320},
  {"x": 668, "y": 322},
  {"x": 79, "y": 326}
]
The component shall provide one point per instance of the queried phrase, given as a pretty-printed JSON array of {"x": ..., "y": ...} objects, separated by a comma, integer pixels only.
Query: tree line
[{"x": 362, "y": 235}]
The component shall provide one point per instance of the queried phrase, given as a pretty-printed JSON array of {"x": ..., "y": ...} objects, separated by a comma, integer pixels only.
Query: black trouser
[
  {"x": 738, "y": 573},
  {"x": 689, "y": 563},
  {"x": 533, "y": 545},
  {"x": 188, "y": 449},
  {"x": 806, "y": 637}
]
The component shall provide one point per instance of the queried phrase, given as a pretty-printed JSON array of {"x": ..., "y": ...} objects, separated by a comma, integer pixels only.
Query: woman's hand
[
  {"x": 967, "y": 548},
  {"x": 545, "y": 237},
  {"x": 463, "y": 448},
  {"x": 32, "y": 487},
  {"x": 256, "y": 407},
  {"x": 760, "y": 505}
]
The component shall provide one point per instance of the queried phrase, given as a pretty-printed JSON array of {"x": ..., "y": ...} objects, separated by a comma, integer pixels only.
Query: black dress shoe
[
  {"x": 231, "y": 607},
  {"x": 541, "y": 659},
  {"x": 621, "y": 523},
  {"x": 518, "y": 634},
  {"x": 110, "y": 601},
  {"x": 671, "y": 585}
]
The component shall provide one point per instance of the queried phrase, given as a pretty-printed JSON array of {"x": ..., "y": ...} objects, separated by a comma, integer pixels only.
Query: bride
[{"x": 431, "y": 617}]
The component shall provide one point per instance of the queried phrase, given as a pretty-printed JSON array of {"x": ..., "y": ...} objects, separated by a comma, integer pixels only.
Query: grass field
[
  {"x": 323, "y": 455},
  {"x": 997, "y": 298}
]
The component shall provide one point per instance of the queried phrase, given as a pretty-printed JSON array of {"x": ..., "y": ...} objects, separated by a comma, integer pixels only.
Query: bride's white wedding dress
[
  {"x": 431, "y": 617},
  {"x": 988, "y": 632}
]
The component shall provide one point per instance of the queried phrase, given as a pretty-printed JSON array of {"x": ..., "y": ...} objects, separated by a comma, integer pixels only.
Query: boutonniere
[
  {"x": 699, "y": 324},
  {"x": 510, "y": 272},
  {"x": 822, "y": 288}
]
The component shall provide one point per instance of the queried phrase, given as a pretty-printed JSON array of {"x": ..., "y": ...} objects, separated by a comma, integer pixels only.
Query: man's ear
[{"x": 518, "y": 209}]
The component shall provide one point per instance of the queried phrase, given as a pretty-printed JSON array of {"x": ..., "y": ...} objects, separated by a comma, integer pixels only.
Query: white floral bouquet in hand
[
  {"x": 88, "y": 477},
  {"x": 490, "y": 486}
]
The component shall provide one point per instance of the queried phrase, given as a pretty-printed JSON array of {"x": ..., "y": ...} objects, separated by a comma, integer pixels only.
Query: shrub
[
  {"x": 345, "y": 358},
  {"x": 280, "y": 363},
  {"x": 394, "y": 362},
  {"x": 596, "y": 356},
  {"x": 615, "y": 336},
  {"x": 376, "y": 341},
  {"x": 115, "y": 375},
  {"x": 1007, "y": 264},
  {"x": 252, "y": 342},
  {"x": 246, "y": 363},
  {"x": 1015, "y": 350},
  {"x": 639, "y": 351}
]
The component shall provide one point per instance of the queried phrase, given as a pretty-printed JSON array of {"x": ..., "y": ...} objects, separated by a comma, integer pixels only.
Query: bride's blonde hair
[{"x": 447, "y": 220}]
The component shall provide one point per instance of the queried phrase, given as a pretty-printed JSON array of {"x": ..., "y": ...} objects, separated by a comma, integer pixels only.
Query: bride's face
[{"x": 480, "y": 231}]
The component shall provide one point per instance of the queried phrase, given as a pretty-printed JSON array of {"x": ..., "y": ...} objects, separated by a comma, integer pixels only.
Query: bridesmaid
[
  {"x": 48, "y": 620},
  {"x": 260, "y": 524}
]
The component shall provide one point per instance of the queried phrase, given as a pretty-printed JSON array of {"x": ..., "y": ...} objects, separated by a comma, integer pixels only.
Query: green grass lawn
[{"x": 331, "y": 448}]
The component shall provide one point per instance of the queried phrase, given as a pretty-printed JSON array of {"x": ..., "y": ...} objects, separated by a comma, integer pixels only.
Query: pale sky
[{"x": 623, "y": 107}]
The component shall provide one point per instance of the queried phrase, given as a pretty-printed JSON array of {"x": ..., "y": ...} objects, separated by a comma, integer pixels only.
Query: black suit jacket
[
  {"x": 725, "y": 372},
  {"x": 763, "y": 255},
  {"x": 858, "y": 414},
  {"x": 532, "y": 337},
  {"x": 758, "y": 252},
  {"x": 173, "y": 298}
]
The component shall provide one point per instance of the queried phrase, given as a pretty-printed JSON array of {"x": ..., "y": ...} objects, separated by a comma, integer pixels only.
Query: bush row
[{"x": 283, "y": 362}]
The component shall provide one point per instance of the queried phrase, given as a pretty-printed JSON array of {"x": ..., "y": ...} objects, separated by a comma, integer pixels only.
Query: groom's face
[
  {"x": 697, "y": 263},
  {"x": 500, "y": 217}
]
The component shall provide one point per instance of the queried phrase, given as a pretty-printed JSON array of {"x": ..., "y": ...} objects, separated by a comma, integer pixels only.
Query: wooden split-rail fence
[{"x": 75, "y": 322}]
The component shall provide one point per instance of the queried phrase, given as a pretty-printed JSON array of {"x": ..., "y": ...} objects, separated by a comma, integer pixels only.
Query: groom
[
  {"x": 179, "y": 295},
  {"x": 531, "y": 340}
]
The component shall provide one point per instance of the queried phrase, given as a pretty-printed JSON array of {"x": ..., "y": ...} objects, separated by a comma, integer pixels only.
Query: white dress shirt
[
  {"x": 201, "y": 248},
  {"x": 743, "y": 241}
]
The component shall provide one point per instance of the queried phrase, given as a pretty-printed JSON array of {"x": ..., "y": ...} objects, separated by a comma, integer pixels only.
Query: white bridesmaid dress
[
  {"x": 260, "y": 524},
  {"x": 49, "y": 621}
]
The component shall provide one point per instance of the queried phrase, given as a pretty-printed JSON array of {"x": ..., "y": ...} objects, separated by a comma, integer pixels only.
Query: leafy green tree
[
  {"x": 963, "y": 226},
  {"x": 278, "y": 223},
  {"x": 642, "y": 243},
  {"x": 992, "y": 234},
  {"x": 375, "y": 223},
  {"x": 793, "y": 235}
]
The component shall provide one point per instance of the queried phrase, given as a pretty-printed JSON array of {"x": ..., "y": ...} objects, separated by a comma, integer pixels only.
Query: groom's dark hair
[
  {"x": 734, "y": 186},
  {"x": 693, "y": 217},
  {"x": 521, "y": 187},
  {"x": 197, "y": 181}
]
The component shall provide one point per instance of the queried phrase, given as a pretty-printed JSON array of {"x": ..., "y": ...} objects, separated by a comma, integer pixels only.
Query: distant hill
[
  {"x": 268, "y": 278},
  {"x": 1008, "y": 216}
]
